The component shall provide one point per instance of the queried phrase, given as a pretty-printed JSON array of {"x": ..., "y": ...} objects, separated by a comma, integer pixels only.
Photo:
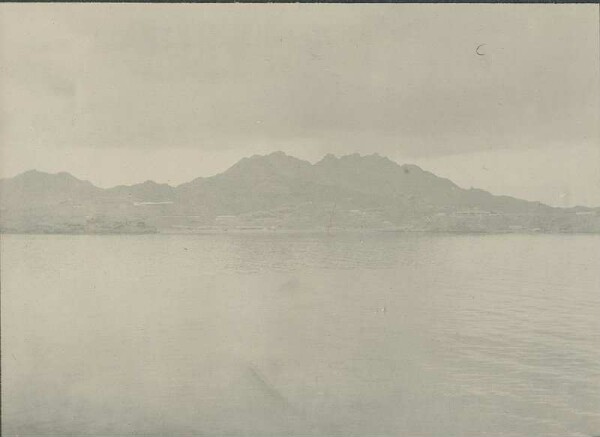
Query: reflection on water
[{"x": 311, "y": 335}]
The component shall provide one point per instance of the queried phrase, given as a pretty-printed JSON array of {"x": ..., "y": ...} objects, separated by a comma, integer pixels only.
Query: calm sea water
[{"x": 301, "y": 335}]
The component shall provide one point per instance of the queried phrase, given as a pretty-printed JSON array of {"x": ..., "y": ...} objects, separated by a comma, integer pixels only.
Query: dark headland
[{"x": 278, "y": 192}]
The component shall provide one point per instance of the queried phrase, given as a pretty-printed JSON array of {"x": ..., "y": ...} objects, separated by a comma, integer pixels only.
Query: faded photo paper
[{"x": 300, "y": 220}]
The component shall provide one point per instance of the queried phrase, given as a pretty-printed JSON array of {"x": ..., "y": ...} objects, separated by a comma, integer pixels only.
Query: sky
[{"x": 500, "y": 97}]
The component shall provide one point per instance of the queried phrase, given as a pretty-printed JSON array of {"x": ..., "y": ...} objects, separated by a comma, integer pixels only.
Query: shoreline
[{"x": 309, "y": 231}]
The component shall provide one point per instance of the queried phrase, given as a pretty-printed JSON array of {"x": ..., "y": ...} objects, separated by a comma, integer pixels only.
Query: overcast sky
[{"x": 121, "y": 93}]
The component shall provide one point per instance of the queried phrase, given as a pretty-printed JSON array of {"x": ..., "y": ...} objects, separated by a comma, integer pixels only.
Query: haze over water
[{"x": 305, "y": 335}]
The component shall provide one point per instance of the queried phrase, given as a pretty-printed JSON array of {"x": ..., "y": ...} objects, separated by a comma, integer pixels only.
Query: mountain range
[{"x": 275, "y": 192}]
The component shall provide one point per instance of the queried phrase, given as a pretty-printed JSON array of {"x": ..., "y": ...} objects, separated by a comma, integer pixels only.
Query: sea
[{"x": 282, "y": 334}]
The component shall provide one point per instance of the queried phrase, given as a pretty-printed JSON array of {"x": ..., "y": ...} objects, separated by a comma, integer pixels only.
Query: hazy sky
[{"x": 121, "y": 93}]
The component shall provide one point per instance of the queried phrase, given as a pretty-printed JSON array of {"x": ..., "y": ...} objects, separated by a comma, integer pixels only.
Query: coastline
[{"x": 331, "y": 232}]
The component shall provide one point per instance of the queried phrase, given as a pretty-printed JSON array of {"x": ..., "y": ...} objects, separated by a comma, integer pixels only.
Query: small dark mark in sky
[{"x": 477, "y": 50}]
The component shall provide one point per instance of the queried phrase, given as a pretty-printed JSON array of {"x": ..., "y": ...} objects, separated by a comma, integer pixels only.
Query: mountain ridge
[
  {"x": 328, "y": 156},
  {"x": 281, "y": 191}
]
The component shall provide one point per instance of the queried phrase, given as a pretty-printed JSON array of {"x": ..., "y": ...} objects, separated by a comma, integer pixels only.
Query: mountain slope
[
  {"x": 148, "y": 191},
  {"x": 265, "y": 182},
  {"x": 282, "y": 191},
  {"x": 35, "y": 188}
]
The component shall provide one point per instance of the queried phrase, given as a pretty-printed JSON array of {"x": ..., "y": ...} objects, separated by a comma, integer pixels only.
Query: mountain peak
[
  {"x": 279, "y": 154},
  {"x": 330, "y": 157},
  {"x": 266, "y": 166},
  {"x": 151, "y": 183},
  {"x": 356, "y": 160},
  {"x": 274, "y": 157},
  {"x": 33, "y": 171},
  {"x": 408, "y": 168},
  {"x": 35, "y": 175}
]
